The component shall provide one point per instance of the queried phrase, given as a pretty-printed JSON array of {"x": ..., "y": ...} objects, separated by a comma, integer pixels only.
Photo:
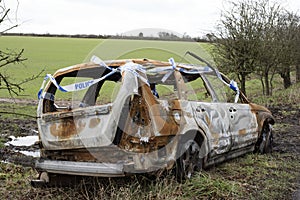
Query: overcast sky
[{"x": 193, "y": 17}]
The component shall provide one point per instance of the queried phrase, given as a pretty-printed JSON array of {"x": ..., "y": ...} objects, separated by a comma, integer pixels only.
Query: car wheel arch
[
  {"x": 190, "y": 154},
  {"x": 198, "y": 136},
  {"x": 264, "y": 142},
  {"x": 262, "y": 118}
]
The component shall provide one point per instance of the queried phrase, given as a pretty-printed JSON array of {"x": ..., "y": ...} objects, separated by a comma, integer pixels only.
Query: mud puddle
[
  {"x": 20, "y": 141},
  {"x": 24, "y": 145}
]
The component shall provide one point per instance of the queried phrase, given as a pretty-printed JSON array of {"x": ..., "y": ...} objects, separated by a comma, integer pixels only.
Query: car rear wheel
[{"x": 188, "y": 161}]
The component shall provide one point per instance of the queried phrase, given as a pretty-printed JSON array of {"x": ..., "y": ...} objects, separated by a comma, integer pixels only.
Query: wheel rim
[
  {"x": 190, "y": 158},
  {"x": 266, "y": 139}
]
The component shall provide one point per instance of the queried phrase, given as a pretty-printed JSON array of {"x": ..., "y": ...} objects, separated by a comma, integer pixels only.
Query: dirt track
[
  {"x": 287, "y": 135},
  {"x": 287, "y": 130}
]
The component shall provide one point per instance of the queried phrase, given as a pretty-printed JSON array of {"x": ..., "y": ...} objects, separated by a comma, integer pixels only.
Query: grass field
[{"x": 50, "y": 54}]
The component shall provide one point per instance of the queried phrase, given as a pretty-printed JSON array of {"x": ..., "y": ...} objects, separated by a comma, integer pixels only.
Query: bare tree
[
  {"x": 269, "y": 47},
  {"x": 298, "y": 72},
  {"x": 10, "y": 57},
  {"x": 257, "y": 36},
  {"x": 236, "y": 40},
  {"x": 297, "y": 52},
  {"x": 287, "y": 36}
]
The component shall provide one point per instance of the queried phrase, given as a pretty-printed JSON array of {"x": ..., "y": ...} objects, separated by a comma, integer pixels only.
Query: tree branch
[
  {"x": 4, "y": 15},
  {"x": 11, "y": 57},
  {"x": 9, "y": 29}
]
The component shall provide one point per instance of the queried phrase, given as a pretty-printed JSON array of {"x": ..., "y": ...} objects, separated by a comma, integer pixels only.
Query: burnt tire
[
  {"x": 265, "y": 142},
  {"x": 188, "y": 161}
]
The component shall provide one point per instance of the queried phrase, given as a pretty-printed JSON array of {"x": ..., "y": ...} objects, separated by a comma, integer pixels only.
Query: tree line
[
  {"x": 163, "y": 36},
  {"x": 258, "y": 37}
]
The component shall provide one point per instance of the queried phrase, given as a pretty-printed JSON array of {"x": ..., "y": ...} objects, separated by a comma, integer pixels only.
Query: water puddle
[
  {"x": 35, "y": 154},
  {"x": 26, "y": 142},
  {"x": 23, "y": 141}
]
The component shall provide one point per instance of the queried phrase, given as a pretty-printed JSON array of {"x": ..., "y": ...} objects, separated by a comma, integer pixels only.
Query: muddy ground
[{"x": 286, "y": 137}]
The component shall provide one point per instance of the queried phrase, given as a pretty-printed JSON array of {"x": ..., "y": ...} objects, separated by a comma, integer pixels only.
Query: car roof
[{"x": 152, "y": 67}]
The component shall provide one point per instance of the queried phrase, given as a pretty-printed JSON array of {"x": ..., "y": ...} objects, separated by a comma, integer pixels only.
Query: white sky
[{"x": 193, "y": 17}]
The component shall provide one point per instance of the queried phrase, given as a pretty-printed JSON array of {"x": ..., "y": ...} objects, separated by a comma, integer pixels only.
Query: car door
[
  {"x": 243, "y": 125},
  {"x": 214, "y": 118},
  {"x": 242, "y": 121},
  {"x": 210, "y": 114}
]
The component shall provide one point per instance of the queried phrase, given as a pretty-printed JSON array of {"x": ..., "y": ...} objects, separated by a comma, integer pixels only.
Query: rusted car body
[{"x": 160, "y": 116}]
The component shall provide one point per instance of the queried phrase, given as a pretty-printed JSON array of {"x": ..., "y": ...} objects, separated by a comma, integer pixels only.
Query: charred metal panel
[
  {"x": 214, "y": 120},
  {"x": 262, "y": 114},
  {"x": 81, "y": 168},
  {"x": 243, "y": 125},
  {"x": 148, "y": 123},
  {"x": 93, "y": 126},
  {"x": 97, "y": 154},
  {"x": 68, "y": 130}
]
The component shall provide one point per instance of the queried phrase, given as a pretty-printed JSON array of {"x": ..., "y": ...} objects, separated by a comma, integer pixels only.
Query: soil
[
  {"x": 287, "y": 134},
  {"x": 286, "y": 137},
  {"x": 17, "y": 128}
]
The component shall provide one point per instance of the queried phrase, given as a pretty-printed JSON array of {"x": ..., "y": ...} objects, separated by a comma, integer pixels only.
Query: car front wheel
[{"x": 265, "y": 142}]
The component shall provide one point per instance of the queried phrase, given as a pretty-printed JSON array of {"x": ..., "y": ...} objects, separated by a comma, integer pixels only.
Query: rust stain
[
  {"x": 207, "y": 120},
  {"x": 139, "y": 111},
  {"x": 90, "y": 155},
  {"x": 261, "y": 113},
  {"x": 256, "y": 108},
  {"x": 167, "y": 126},
  {"x": 133, "y": 144},
  {"x": 80, "y": 125},
  {"x": 176, "y": 105},
  {"x": 67, "y": 128},
  {"x": 242, "y": 132},
  {"x": 47, "y": 106},
  {"x": 94, "y": 122},
  {"x": 145, "y": 116},
  {"x": 216, "y": 138}
]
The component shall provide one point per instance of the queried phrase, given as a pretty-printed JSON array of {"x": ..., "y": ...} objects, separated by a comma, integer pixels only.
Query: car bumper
[{"x": 81, "y": 168}]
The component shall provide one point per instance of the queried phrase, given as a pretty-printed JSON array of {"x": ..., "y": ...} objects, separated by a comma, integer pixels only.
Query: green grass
[
  {"x": 51, "y": 54},
  {"x": 207, "y": 185},
  {"x": 159, "y": 50},
  {"x": 47, "y": 54},
  {"x": 19, "y": 111},
  {"x": 290, "y": 96},
  {"x": 252, "y": 176},
  {"x": 2, "y": 142},
  {"x": 278, "y": 172}
]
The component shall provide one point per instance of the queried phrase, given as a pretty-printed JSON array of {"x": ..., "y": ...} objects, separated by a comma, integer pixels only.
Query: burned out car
[{"x": 144, "y": 116}]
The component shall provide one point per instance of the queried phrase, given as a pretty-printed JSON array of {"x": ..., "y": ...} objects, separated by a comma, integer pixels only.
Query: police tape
[
  {"x": 173, "y": 64},
  {"x": 133, "y": 68},
  {"x": 232, "y": 85},
  {"x": 128, "y": 67}
]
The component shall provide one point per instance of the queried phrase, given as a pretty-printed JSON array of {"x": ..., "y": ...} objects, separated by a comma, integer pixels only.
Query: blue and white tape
[
  {"x": 173, "y": 64},
  {"x": 133, "y": 68},
  {"x": 232, "y": 85},
  {"x": 128, "y": 67}
]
